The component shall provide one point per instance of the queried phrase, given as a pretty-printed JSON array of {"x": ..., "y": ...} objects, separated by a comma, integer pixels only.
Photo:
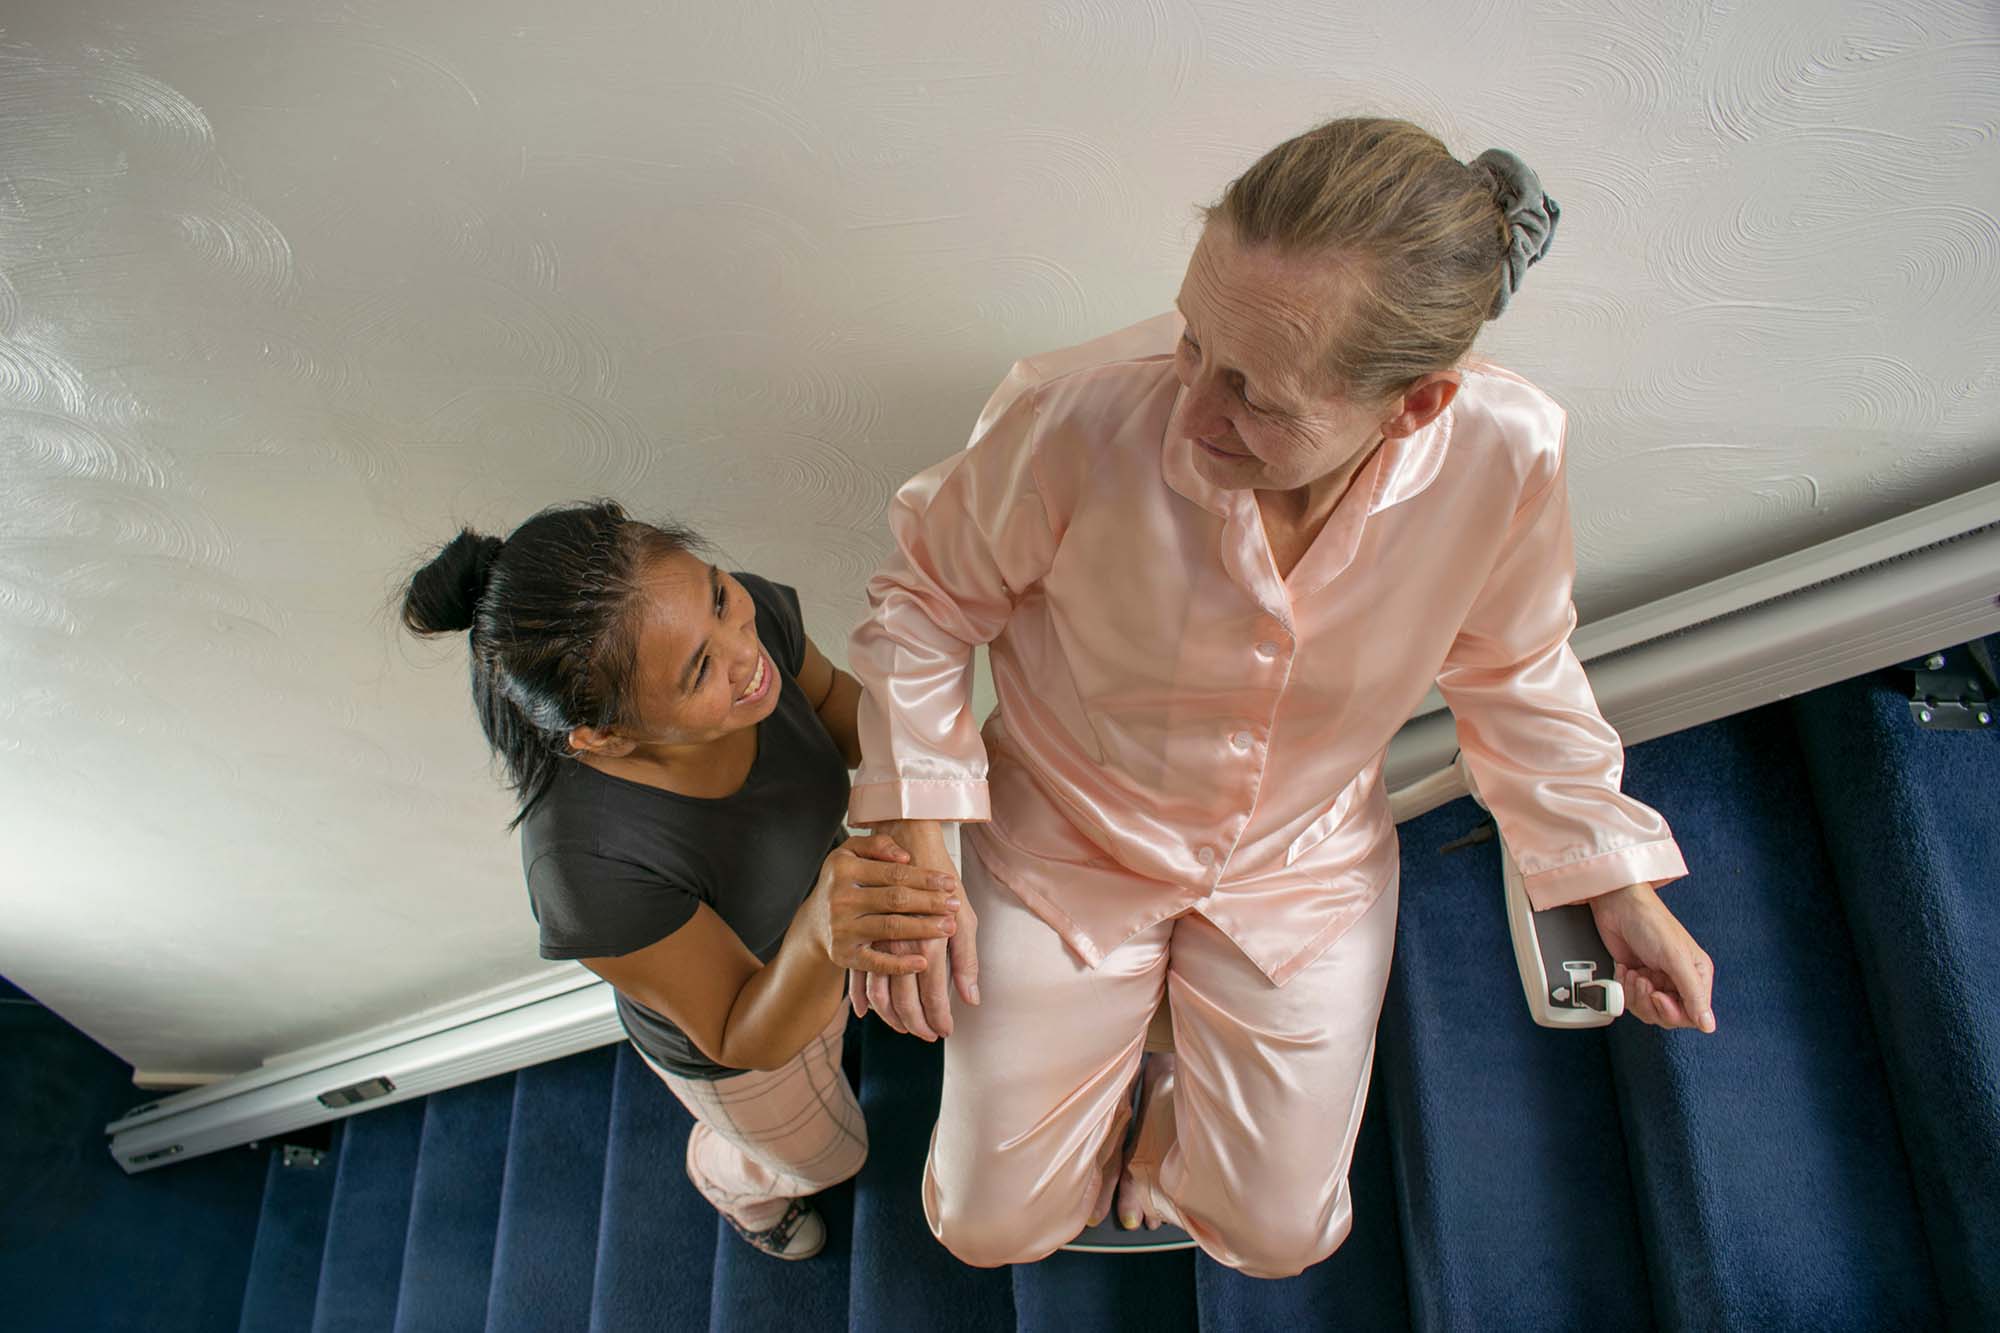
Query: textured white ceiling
[{"x": 287, "y": 289}]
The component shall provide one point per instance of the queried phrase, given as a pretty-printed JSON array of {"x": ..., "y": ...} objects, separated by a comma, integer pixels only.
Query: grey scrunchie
[{"x": 1531, "y": 219}]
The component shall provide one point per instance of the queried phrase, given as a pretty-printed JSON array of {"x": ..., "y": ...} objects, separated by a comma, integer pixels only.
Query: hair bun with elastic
[
  {"x": 444, "y": 595},
  {"x": 1531, "y": 219}
]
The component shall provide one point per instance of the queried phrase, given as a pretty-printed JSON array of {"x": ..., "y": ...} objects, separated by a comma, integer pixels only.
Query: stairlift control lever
[
  {"x": 1587, "y": 989},
  {"x": 1567, "y": 974}
]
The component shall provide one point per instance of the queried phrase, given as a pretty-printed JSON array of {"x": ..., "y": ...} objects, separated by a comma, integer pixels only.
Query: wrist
[
  {"x": 923, "y": 839},
  {"x": 819, "y": 923},
  {"x": 1622, "y": 899},
  {"x": 901, "y": 824}
]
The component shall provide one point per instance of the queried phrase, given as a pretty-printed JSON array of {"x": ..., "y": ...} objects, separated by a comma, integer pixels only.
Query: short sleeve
[
  {"x": 593, "y": 906},
  {"x": 780, "y": 624}
]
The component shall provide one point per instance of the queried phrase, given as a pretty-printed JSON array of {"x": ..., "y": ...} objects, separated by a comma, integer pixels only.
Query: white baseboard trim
[{"x": 1889, "y": 593}]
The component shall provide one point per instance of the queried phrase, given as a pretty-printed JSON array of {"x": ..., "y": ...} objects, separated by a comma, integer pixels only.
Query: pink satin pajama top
[{"x": 1181, "y": 729}]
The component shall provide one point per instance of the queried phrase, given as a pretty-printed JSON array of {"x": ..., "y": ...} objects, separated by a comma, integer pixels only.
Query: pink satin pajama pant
[{"x": 1271, "y": 1081}]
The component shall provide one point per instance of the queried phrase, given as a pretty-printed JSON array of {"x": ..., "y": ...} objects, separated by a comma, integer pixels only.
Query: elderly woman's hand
[{"x": 1667, "y": 977}]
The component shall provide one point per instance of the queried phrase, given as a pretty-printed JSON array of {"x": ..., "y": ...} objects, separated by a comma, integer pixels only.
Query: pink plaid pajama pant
[{"x": 766, "y": 1137}]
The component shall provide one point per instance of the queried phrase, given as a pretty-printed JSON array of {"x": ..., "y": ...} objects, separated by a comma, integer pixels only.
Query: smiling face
[
  {"x": 1257, "y": 402},
  {"x": 700, "y": 672}
]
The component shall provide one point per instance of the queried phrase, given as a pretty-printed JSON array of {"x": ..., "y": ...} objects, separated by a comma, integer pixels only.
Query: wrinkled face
[
  {"x": 1256, "y": 403},
  {"x": 701, "y": 672}
]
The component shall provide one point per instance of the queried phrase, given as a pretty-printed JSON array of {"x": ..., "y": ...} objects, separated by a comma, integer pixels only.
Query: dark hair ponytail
[
  {"x": 553, "y": 630},
  {"x": 444, "y": 594}
]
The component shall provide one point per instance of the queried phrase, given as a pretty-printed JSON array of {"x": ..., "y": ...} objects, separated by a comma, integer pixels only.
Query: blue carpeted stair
[
  {"x": 1772, "y": 1148},
  {"x": 83, "y": 1246},
  {"x": 1509, "y": 1154},
  {"x": 363, "y": 1269},
  {"x": 545, "y": 1255},
  {"x": 1829, "y": 1160},
  {"x": 291, "y": 1245},
  {"x": 655, "y": 1246},
  {"x": 1359, "y": 1290},
  {"x": 897, "y": 1268},
  {"x": 1915, "y": 845},
  {"x": 455, "y": 1210}
]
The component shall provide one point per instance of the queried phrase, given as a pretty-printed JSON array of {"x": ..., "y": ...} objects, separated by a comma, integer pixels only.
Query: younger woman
[{"x": 680, "y": 750}]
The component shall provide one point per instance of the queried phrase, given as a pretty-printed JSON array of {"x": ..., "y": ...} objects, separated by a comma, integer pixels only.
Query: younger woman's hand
[{"x": 869, "y": 893}]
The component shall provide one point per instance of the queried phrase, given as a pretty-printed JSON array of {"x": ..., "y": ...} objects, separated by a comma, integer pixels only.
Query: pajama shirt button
[
  {"x": 1206, "y": 856},
  {"x": 1241, "y": 740},
  {"x": 1267, "y": 650}
]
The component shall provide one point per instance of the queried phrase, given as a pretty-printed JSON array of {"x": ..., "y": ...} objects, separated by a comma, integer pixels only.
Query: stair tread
[
  {"x": 545, "y": 1248},
  {"x": 901, "y": 1276},
  {"x": 1914, "y": 861},
  {"x": 291, "y": 1242},
  {"x": 1358, "y": 1289},
  {"x": 1104, "y": 1293},
  {"x": 1509, "y": 1159},
  {"x": 455, "y": 1208},
  {"x": 368, "y": 1221},
  {"x": 656, "y": 1237},
  {"x": 1769, "y": 1171}
]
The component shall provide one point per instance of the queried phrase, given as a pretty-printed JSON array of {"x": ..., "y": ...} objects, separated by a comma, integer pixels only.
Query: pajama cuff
[
  {"x": 1590, "y": 876},
  {"x": 952, "y": 801}
]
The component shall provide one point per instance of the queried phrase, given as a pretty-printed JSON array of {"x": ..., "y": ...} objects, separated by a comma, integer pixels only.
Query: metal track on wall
[
  {"x": 1891, "y": 592},
  {"x": 503, "y": 1030}
]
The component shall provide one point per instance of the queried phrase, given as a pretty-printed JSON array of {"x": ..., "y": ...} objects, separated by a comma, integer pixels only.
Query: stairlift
[{"x": 1567, "y": 974}]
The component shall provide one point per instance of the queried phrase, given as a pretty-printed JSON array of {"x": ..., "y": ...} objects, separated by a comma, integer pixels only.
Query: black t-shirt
[{"x": 614, "y": 866}]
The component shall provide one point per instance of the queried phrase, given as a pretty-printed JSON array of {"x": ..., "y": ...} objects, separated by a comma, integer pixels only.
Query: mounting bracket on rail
[{"x": 1955, "y": 688}]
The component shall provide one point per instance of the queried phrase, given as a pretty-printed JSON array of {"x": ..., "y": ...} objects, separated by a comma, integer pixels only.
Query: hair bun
[
  {"x": 1531, "y": 219},
  {"x": 444, "y": 595}
]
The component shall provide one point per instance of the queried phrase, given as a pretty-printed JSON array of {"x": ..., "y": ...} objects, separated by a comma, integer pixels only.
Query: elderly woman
[{"x": 1218, "y": 560}]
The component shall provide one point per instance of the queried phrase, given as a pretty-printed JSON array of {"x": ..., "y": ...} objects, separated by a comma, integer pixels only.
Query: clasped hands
[{"x": 919, "y": 1001}]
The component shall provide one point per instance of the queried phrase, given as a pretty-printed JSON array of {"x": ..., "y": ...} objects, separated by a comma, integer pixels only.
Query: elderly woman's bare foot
[{"x": 1137, "y": 1203}]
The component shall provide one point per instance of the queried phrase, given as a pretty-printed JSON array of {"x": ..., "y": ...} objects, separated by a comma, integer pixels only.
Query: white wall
[{"x": 289, "y": 289}]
